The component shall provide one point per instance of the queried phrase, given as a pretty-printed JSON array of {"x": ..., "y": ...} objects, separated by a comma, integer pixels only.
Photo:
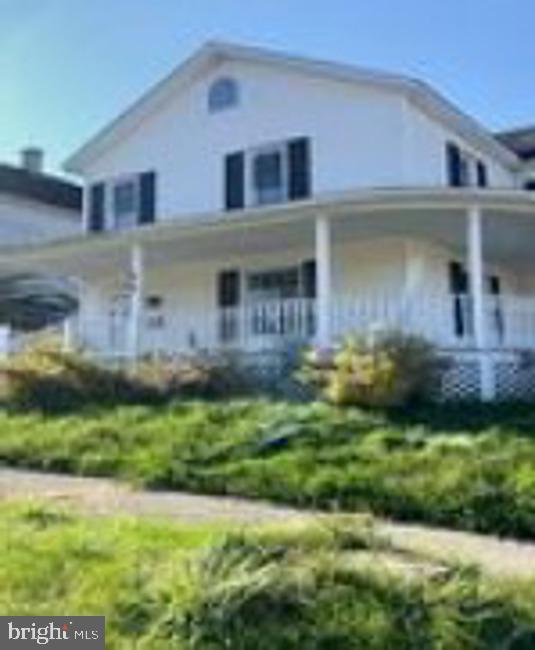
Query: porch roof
[{"x": 375, "y": 212}]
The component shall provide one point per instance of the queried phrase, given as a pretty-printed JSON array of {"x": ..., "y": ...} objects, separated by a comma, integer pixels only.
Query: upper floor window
[
  {"x": 269, "y": 175},
  {"x": 224, "y": 93},
  {"x": 125, "y": 204},
  {"x": 465, "y": 169}
]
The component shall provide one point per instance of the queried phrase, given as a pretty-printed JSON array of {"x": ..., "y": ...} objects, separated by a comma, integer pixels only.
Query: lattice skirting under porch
[
  {"x": 462, "y": 379},
  {"x": 516, "y": 379},
  {"x": 514, "y": 376}
]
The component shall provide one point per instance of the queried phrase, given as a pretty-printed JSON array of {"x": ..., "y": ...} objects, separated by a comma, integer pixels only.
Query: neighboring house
[
  {"x": 522, "y": 142},
  {"x": 253, "y": 201},
  {"x": 35, "y": 209}
]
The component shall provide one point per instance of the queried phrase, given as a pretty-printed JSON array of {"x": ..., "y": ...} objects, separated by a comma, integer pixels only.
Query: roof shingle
[
  {"x": 44, "y": 188},
  {"x": 521, "y": 141}
]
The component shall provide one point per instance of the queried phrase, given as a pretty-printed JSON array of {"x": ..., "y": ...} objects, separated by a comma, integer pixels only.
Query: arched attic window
[{"x": 223, "y": 94}]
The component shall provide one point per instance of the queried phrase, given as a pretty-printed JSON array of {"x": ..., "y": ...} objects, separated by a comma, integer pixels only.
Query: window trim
[
  {"x": 251, "y": 155},
  {"x": 280, "y": 271},
  {"x": 113, "y": 223},
  {"x": 462, "y": 301},
  {"x": 469, "y": 164},
  {"x": 296, "y": 267},
  {"x": 230, "y": 100}
]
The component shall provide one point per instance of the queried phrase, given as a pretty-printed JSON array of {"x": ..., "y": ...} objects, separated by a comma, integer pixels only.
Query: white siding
[
  {"x": 361, "y": 137},
  {"x": 356, "y": 135},
  {"x": 27, "y": 222},
  {"x": 435, "y": 277},
  {"x": 425, "y": 153}
]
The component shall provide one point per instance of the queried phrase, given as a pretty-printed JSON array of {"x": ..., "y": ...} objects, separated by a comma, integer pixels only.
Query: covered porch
[{"x": 456, "y": 267}]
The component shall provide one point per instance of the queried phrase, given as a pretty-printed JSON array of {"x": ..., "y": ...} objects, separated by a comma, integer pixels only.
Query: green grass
[
  {"x": 466, "y": 467},
  {"x": 298, "y": 587}
]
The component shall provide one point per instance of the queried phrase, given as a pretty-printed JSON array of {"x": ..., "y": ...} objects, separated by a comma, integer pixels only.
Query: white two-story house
[{"x": 253, "y": 201}]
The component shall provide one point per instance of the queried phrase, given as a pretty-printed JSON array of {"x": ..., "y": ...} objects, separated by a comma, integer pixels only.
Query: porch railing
[{"x": 446, "y": 321}]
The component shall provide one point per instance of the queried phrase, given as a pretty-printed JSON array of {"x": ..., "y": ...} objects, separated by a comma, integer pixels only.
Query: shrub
[
  {"x": 200, "y": 376},
  {"x": 389, "y": 370},
  {"x": 45, "y": 377}
]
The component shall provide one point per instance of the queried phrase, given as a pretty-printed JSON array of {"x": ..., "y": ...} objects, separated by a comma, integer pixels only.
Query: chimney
[{"x": 32, "y": 160}]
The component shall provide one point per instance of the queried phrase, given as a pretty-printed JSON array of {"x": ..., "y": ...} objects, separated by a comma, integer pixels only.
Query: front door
[
  {"x": 268, "y": 294},
  {"x": 261, "y": 308}
]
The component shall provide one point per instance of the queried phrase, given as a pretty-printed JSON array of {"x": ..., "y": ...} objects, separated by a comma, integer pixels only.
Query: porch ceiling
[
  {"x": 436, "y": 216},
  {"x": 508, "y": 237}
]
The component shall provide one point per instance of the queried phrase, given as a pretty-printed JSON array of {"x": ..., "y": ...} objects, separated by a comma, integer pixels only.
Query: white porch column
[
  {"x": 137, "y": 278},
  {"x": 5, "y": 341},
  {"x": 477, "y": 290},
  {"x": 72, "y": 324},
  {"x": 69, "y": 336},
  {"x": 324, "y": 282}
]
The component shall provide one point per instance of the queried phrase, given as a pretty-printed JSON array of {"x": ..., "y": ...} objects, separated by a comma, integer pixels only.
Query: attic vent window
[{"x": 223, "y": 94}]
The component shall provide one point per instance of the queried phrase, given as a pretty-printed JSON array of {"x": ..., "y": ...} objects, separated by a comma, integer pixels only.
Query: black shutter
[
  {"x": 482, "y": 175},
  {"x": 495, "y": 289},
  {"x": 495, "y": 285},
  {"x": 97, "y": 211},
  {"x": 235, "y": 181},
  {"x": 453, "y": 156},
  {"x": 309, "y": 291},
  {"x": 300, "y": 169},
  {"x": 228, "y": 289},
  {"x": 459, "y": 291},
  {"x": 228, "y": 298},
  {"x": 147, "y": 198},
  {"x": 458, "y": 279},
  {"x": 308, "y": 279}
]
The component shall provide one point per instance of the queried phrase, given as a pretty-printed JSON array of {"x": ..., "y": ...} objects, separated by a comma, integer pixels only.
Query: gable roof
[
  {"x": 521, "y": 141},
  {"x": 418, "y": 92},
  {"x": 42, "y": 188}
]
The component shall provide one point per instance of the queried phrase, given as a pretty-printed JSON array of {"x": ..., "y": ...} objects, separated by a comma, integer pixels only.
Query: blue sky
[{"x": 69, "y": 66}]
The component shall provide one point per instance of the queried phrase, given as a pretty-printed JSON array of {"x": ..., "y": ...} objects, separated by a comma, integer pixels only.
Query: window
[
  {"x": 465, "y": 169},
  {"x": 468, "y": 170},
  {"x": 530, "y": 185},
  {"x": 463, "y": 316},
  {"x": 223, "y": 94},
  {"x": 268, "y": 174},
  {"x": 125, "y": 204},
  {"x": 269, "y": 170},
  {"x": 273, "y": 285}
]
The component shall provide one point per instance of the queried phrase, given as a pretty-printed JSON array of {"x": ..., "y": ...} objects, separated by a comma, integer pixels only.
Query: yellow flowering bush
[
  {"x": 389, "y": 370},
  {"x": 44, "y": 376}
]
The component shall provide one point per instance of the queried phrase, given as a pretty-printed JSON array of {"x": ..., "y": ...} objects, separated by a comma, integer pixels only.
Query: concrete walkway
[{"x": 107, "y": 497}]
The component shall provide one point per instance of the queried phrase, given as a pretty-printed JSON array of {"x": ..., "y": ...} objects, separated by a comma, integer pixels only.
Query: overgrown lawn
[
  {"x": 465, "y": 467},
  {"x": 313, "y": 585}
]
